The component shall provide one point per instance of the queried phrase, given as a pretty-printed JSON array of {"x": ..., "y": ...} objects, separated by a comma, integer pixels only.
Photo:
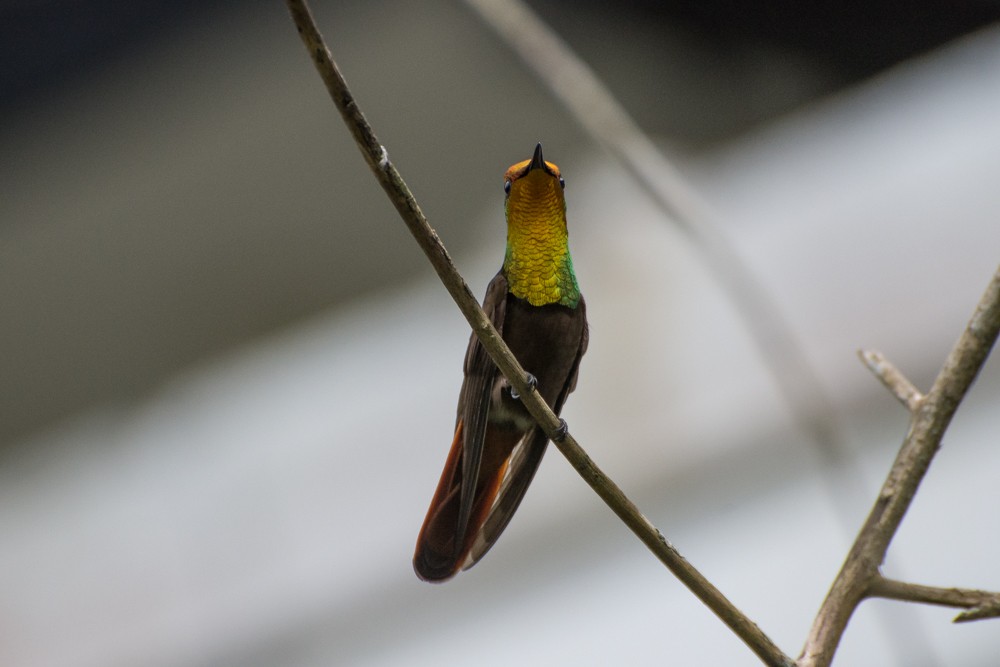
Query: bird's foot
[
  {"x": 532, "y": 383},
  {"x": 561, "y": 432}
]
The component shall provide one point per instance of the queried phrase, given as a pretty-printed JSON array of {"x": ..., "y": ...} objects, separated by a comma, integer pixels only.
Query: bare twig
[
  {"x": 378, "y": 160},
  {"x": 593, "y": 106},
  {"x": 927, "y": 427},
  {"x": 979, "y": 604},
  {"x": 892, "y": 378}
]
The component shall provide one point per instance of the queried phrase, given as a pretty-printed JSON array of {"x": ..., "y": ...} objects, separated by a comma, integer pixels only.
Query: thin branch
[
  {"x": 979, "y": 604},
  {"x": 892, "y": 378},
  {"x": 597, "y": 111},
  {"x": 378, "y": 160},
  {"x": 927, "y": 427}
]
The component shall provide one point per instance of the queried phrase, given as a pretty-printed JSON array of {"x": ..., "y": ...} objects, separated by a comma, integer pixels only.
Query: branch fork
[{"x": 930, "y": 415}]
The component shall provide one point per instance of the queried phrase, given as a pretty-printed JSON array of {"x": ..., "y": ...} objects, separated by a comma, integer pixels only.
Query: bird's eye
[
  {"x": 562, "y": 182},
  {"x": 506, "y": 187}
]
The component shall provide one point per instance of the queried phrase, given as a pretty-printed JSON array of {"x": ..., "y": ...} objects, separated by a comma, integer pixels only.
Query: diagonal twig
[
  {"x": 378, "y": 160},
  {"x": 927, "y": 427}
]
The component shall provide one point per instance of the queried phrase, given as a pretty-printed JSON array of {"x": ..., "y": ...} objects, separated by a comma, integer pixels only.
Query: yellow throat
[{"x": 537, "y": 264}]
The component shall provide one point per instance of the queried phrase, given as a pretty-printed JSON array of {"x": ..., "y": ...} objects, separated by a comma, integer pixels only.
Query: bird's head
[{"x": 535, "y": 190}]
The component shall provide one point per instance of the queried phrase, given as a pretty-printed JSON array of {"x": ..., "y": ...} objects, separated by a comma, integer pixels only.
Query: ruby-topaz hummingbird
[{"x": 535, "y": 304}]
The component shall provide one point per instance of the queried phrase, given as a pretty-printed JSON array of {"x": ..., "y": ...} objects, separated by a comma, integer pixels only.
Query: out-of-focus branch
[
  {"x": 927, "y": 426},
  {"x": 593, "y": 106},
  {"x": 378, "y": 160}
]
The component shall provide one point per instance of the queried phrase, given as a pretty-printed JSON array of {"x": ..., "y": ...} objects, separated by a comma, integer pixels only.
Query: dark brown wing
[
  {"x": 459, "y": 507},
  {"x": 474, "y": 403}
]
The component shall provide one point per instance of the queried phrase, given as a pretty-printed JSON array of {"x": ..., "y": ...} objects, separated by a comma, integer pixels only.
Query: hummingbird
[{"x": 535, "y": 304}]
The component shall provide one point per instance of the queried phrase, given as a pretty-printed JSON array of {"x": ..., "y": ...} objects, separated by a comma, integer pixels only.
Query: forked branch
[{"x": 930, "y": 418}]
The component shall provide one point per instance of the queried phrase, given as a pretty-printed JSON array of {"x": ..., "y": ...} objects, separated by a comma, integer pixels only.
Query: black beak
[{"x": 536, "y": 160}]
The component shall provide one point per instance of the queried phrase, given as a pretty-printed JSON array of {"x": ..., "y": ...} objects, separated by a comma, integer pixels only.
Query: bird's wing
[
  {"x": 462, "y": 500},
  {"x": 474, "y": 402}
]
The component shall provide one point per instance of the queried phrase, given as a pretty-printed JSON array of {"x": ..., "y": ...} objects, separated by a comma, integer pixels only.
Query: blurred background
[{"x": 229, "y": 377}]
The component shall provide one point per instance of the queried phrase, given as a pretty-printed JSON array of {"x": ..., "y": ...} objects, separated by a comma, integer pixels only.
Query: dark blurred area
[
  {"x": 102, "y": 311},
  {"x": 856, "y": 39},
  {"x": 45, "y": 44}
]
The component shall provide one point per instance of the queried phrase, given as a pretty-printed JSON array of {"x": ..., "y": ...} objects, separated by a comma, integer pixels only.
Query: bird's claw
[
  {"x": 561, "y": 432},
  {"x": 532, "y": 383}
]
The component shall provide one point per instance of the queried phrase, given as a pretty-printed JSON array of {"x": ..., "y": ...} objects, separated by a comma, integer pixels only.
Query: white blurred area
[{"x": 261, "y": 509}]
